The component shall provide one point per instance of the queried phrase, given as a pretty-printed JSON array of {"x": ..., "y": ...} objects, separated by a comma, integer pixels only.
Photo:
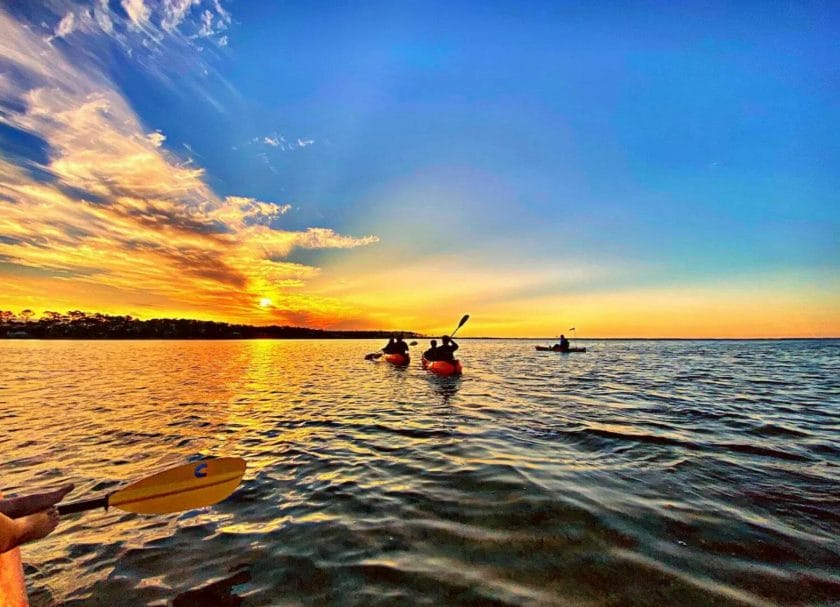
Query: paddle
[
  {"x": 460, "y": 324},
  {"x": 186, "y": 487}
]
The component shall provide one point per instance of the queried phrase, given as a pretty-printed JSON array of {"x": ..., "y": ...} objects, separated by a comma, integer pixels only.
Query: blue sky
[
  {"x": 698, "y": 133},
  {"x": 665, "y": 145}
]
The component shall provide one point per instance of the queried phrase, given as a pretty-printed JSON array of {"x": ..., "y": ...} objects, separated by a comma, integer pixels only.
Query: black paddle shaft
[
  {"x": 72, "y": 508},
  {"x": 460, "y": 324}
]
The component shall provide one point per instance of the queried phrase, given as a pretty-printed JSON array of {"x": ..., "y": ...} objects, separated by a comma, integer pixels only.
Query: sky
[{"x": 629, "y": 169}]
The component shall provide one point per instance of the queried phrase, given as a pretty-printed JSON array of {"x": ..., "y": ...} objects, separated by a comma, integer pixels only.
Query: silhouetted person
[
  {"x": 431, "y": 353},
  {"x": 400, "y": 347},
  {"x": 446, "y": 351},
  {"x": 563, "y": 346},
  {"x": 389, "y": 348}
]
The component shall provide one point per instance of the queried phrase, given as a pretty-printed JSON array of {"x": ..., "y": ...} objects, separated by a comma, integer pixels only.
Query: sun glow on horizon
[{"x": 532, "y": 199}]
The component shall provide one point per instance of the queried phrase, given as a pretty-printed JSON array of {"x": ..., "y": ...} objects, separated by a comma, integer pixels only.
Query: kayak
[
  {"x": 12, "y": 584},
  {"x": 443, "y": 367},
  {"x": 399, "y": 360},
  {"x": 552, "y": 349}
]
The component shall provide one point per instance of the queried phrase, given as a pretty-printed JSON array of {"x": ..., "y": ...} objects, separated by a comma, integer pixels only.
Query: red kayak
[
  {"x": 443, "y": 367},
  {"x": 399, "y": 360}
]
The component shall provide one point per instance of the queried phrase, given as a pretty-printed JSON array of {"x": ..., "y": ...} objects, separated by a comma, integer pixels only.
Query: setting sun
[{"x": 265, "y": 302}]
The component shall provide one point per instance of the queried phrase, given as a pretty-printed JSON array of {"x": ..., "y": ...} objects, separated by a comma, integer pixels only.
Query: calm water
[{"x": 639, "y": 473}]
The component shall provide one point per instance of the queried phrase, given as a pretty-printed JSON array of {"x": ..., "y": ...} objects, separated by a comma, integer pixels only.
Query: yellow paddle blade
[{"x": 186, "y": 487}]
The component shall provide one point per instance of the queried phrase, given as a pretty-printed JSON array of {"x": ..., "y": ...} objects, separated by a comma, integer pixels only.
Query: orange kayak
[
  {"x": 443, "y": 367},
  {"x": 12, "y": 584},
  {"x": 397, "y": 359}
]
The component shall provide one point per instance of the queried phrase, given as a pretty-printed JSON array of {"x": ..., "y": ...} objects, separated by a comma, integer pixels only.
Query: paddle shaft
[
  {"x": 460, "y": 324},
  {"x": 74, "y": 507}
]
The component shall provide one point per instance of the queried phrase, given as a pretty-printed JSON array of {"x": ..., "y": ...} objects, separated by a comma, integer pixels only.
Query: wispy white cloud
[
  {"x": 223, "y": 15},
  {"x": 175, "y": 11},
  {"x": 102, "y": 16},
  {"x": 284, "y": 145},
  {"x": 137, "y": 11},
  {"x": 206, "y": 24},
  {"x": 157, "y": 138},
  {"x": 65, "y": 26}
]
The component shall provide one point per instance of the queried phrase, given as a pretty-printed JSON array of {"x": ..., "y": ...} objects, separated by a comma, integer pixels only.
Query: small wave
[
  {"x": 764, "y": 452},
  {"x": 777, "y": 430}
]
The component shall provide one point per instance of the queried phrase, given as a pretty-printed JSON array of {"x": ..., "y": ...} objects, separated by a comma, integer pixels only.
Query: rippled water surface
[{"x": 638, "y": 473}]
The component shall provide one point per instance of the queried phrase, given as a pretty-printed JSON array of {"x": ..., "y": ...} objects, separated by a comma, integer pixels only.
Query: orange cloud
[{"x": 113, "y": 211}]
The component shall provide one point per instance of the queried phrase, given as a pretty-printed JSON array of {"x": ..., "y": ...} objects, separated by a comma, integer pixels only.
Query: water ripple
[{"x": 638, "y": 473}]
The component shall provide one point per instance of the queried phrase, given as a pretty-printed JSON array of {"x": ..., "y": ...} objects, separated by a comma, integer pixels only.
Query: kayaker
[
  {"x": 400, "y": 347},
  {"x": 446, "y": 351},
  {"x": 389, "y": 348},
  {"x": 563, "y": 346},
  {"x": 23, "y": 519},
  {"x": 431, "y": 353}
]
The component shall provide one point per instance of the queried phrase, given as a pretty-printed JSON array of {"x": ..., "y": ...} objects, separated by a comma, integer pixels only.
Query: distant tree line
[{"x": 84, "y": 325}]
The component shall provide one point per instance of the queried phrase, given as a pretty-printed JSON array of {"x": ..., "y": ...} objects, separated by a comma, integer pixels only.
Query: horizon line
[{"x": 420, "y": 335}]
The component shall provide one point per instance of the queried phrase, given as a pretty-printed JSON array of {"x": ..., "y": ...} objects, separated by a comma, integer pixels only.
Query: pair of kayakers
[
  {"x": 396, "y": 345},
  {"x": 445, "y": 351}
]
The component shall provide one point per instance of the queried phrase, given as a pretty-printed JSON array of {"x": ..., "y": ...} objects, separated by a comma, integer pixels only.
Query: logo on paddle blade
[{"x": 201, "y": 470}]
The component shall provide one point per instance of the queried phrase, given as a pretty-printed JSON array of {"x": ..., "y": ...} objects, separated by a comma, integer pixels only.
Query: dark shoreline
[
  {"x": 80, "y": 325},
  {"x": 96, "y": 326}
]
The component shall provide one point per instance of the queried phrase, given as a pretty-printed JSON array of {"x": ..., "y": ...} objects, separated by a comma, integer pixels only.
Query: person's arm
[
  {"x": 17, "y": 531},
  {"x": 16, "y": 507},
  {"x": 454, "y": 345}
]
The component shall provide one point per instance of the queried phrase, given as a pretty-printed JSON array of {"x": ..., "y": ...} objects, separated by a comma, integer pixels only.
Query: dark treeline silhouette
[{"x": 85, "y": 325}]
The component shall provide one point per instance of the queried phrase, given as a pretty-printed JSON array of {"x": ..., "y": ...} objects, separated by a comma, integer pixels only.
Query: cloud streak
[
  {"x": 283, "y": 144},
  {"x": 110, "y": 208}
]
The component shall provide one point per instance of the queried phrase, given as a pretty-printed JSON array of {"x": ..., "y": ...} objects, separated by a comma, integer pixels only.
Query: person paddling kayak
[
  {"x": 441, "y": 360},
  {"x": 390, "y": 346},
  {"x": 446, "y": 351},
  {"x": 563, "y": 346},
  {"x": 431, "y": 353},
  {"x": 400, "y": 347}
]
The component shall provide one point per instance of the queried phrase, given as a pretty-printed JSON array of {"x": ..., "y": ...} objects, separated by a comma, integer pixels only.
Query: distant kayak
[
  {"x": 552, "y": 349},
  {"x": 443, "y": 367},
  {"x": 397, "y": 359}
]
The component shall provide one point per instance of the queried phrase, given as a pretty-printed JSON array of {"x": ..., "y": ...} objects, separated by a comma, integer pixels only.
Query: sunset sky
[{"x": 644, "y": 169}]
